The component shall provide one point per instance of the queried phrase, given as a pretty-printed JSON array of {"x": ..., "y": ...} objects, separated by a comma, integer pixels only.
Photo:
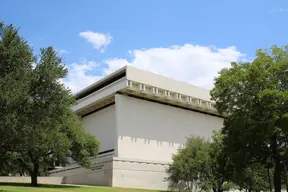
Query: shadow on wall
[
  {"x": 146, "y": 141},
  {"x": 148, "y": 122}
]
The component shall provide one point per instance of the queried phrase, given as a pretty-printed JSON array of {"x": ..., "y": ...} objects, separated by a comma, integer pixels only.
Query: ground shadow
[{"x": 40, "y": 185}]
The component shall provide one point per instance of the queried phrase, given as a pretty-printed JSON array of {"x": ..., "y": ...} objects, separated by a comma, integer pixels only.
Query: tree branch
[
  {"x": 48, "y": 153},
  {"x": 31, "y": 157},
  {"x": 257, "y": 161},
  {"x": 25, "y": 165}
]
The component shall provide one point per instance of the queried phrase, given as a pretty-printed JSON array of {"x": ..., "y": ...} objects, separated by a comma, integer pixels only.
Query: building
[{"x": 140, "y": 119}]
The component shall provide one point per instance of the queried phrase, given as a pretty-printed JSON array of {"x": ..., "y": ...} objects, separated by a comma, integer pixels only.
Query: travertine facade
[{"x": 140, "y": 119}]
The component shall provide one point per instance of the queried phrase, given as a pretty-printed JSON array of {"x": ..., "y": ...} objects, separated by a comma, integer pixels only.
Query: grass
[{"x": 20, "y": 187}]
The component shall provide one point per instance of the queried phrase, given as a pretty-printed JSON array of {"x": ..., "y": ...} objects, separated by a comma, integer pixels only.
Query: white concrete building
[{"x": 140, "y": 119}]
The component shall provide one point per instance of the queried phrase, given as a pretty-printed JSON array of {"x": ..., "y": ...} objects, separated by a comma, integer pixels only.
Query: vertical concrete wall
[
  {"x": 102, "y": 124},
  {"x": 100, "y": 177},
  {"x": 144, "y": 135},
  {"x": 139, "y": 174},
  {"x": 152, "y": 131},
  {"x": 101, "y": 173},
  {"x": 96, "y": 178},
  {"x": 42, "y": 180}
]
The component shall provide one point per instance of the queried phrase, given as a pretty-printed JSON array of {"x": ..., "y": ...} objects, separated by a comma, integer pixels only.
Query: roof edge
[{"x": 93, "y": 87}]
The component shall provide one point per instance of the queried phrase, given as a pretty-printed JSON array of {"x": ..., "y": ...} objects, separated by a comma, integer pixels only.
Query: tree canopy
[
  {"x": 189, "y": 166},
  {"x": 202, "y": 165},
  {"x": 37, "y": 124},
  {"x": 253, "y": 97}
]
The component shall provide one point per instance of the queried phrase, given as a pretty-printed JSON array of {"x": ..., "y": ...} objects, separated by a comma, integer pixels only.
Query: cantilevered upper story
[
  {"x": 145, "y": 85},
  {"x": 140, "y": 120}
]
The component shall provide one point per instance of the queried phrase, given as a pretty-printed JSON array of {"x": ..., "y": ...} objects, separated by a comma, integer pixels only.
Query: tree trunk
[
  {"x": 277, "y": 175},
  {"x": 220, "y": 190},
  {"x": 214, "y": 189},
  {"x": 34, "y": 175},
  {"x": 285, "y": 176},
  {"x": 34, "y": 179},
  {"x": 269, "y": 179}
]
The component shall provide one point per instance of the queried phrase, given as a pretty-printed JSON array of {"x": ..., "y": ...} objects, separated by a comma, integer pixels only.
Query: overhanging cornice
[
  {"x": 153, "y": 87},
  {"x": 167, "y": 96}
]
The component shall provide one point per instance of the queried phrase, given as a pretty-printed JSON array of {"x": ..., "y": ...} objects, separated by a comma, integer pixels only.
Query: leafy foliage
[
  {"x": 203, "y": 165},
  {"x": 37, "y": 124},
  {"x": 254, "y": 98},
  {"x": 220, "y": 169},
  {"x": 189, "y": 165},
  {"x": 253, "y": 178}
]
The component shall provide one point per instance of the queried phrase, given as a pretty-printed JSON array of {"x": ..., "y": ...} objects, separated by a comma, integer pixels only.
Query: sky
[{"x": 186, "y": 40}]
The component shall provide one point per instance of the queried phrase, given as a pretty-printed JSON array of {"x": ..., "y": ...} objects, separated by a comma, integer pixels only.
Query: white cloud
[
  {"x": 278, "y": 10},
  {"x": 193, "y": 64},
  {"x": 61, "y": 51},
  {"x": 98, "y": 40},
  {"x": 78, "y": 75}
]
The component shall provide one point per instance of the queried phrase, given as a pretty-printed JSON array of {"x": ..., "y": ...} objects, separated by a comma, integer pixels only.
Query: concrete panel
[
  {"x": 152, "y": 131},
  {"x": 42, "y": 180},
  {"x": 66, "y": 172},
  {"x": 97, "y": 178},
  {"x": 100, "y": 94},
  {"x": 99, "y": 174},
  {"x": 163, "y": 82},
  {"x": 139, "y": 175},
  {"x": 102, "y": 124}
]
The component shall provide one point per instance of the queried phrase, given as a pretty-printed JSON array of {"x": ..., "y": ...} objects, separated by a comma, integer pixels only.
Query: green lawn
[{"x": 16, "y": 187}]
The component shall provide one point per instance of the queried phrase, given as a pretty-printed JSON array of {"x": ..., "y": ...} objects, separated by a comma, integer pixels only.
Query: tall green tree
[
  {"x": 37, "y": 123},
  {"x": 253, "y": 96},
  {"x": 16, "y": 59}
]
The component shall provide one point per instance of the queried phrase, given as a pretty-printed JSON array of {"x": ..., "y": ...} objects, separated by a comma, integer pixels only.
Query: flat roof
[
  {"x": 148, "y": 78},
  {"x": 118, "y": 74}
]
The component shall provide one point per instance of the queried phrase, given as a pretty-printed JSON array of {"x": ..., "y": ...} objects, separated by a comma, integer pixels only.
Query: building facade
[{"x": 140, "y": 119}]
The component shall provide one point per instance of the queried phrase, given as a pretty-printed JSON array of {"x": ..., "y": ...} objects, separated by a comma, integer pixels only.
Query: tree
[
  {"x": 37, "y": 123},
  {"x": 204, "y": 165},
  {"x": 16, "y": 59},
  {"x": 9, "y": 167},
  {"x": 220, "y": 169},
  {"x": 224, "y": 175},
  {"x": 189, "y": 165},
  {"x": 253, "y": 97},
  {"x": 253, "y": 178}
]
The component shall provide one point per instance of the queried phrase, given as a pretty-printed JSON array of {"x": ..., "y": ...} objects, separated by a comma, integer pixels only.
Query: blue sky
[{"x": 186, "y": 40}]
